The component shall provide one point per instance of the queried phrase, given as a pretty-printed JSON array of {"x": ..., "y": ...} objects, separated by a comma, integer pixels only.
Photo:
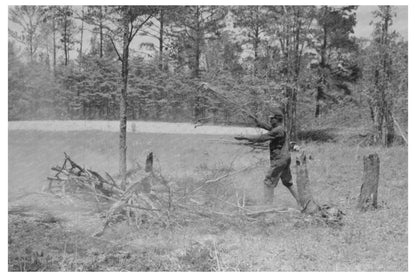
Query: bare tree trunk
[
  {"x": 369, "y": 188},
  {"x": 197, "y": 43},
  {"x": 65, "y": 41},
  {"x": 322, "y": 65},
  {"x": 161, "y": 39},
  {"x": 291, "y": 115},
  {"x": 371, "y": 112},
  {"x": 31, "y": 39},
  {"x": 318, "y": 99},
  {"x": 256, "y": 47},
  {"x": 82, "y": 34},
  {"x": 382, "y": 81},
  {"x": 123, "y": 105},
  {"x": 390, "y": 134},
  {"x": 293, "y": 132},
  {"x": 54, "y": 45},
  {"x": 306, "y": 200},
  {"x": 378, "y": 116},
  {"x": 101, "y": 31}
]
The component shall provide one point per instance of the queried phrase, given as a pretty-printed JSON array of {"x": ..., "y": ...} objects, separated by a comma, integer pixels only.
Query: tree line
[{"x": 305, "y": 58}]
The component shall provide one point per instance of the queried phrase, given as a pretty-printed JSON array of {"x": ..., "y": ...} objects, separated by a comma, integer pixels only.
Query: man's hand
[{"x": 240, "y": 138}]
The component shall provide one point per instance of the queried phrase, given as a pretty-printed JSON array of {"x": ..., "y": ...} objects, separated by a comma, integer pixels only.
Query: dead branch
[
  {"x": 269, "y": 211},
  {"x": 222, "y": 96},
  {"x": 210, "y": 181},
  {"x": 229, "y": 174},
  {"x": 258, "y": 145},
  {"x": 400, "y": 130}
]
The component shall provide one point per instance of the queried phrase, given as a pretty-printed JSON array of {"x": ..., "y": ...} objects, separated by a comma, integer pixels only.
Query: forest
[{"x": 151, "y": 63}]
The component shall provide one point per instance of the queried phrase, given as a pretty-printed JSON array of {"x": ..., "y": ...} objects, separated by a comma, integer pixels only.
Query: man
[{"x": 279, "y": 155}]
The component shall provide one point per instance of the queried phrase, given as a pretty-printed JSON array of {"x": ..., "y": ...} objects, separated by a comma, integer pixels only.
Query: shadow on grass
[{"x": 318, "y": 135}]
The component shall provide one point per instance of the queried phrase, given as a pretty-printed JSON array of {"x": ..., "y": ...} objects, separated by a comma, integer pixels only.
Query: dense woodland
[{"x": 208, "y": 64}]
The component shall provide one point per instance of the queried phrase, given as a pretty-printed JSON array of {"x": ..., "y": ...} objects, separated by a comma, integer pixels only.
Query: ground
[{"x": 47, "y": 233}]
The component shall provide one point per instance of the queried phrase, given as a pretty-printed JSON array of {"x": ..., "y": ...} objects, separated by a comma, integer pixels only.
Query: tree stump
[
  {"x": 149, "y": 162},
  {"x": 306, "y": 200},
  {"x": 369, "y": 188}
]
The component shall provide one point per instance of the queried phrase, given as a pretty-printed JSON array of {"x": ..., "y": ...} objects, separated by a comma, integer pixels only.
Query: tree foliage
[
  {"x": 303, "y": 58},
  {"x": 385, "y": 76},
  {"x": 29, "y": 19}
]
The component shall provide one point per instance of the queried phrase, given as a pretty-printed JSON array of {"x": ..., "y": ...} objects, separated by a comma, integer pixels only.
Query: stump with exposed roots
[
  {"x": 321, "y": 214},
  {"x": 306, "y": 201}
]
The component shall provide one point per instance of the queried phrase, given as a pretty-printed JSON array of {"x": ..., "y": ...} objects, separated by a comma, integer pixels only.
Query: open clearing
[
  {"x": 132, "y": 126},
  {"x": 54, "y": 234}
]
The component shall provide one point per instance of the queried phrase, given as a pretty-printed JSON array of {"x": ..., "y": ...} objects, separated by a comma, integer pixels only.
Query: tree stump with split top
[
  {"x": 306, "y": 200},
  {"x": 369, "y": 188}
]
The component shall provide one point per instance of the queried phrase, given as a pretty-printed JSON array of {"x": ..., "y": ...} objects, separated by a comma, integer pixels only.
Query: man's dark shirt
[
  {"x": 277, "y": 138},
  {"x": 277, "y": 144}
]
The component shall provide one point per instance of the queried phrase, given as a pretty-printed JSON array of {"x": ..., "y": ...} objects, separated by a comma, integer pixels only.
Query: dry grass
[{"x": 372, "y": 241}]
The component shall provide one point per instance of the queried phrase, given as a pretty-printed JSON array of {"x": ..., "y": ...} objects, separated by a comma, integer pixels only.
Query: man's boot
[{"x": 268, "y": 195}]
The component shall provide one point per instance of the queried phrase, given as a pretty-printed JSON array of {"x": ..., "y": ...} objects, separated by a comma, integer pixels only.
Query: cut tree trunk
[
  {"x": 306, "y": 200},
  {"x": 369, "y": 188}
]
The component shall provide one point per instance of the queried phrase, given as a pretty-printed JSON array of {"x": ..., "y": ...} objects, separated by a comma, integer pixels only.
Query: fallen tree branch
[
  {"x": 269, "y": 211},
  {"x": 229, "y": 174},
  {"x": 222, "y": 96}
]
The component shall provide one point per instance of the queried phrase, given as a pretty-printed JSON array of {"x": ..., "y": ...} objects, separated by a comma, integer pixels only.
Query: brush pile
[
  {"x": 148, "y": 197},
  {"x": 137, "y": 202}
]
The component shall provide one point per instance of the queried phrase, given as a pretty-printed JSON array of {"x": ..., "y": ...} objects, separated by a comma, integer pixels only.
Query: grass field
[{"x": 54, "y": 234}]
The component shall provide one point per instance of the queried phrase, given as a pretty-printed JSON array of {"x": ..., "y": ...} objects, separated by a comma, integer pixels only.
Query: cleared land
[
  {"x": 49, "y": 233},
  {"x": 132, "y": 126}
]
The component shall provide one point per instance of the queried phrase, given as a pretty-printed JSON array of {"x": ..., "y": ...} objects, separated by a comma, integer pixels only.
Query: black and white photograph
[{"x": 206, "y": 137}]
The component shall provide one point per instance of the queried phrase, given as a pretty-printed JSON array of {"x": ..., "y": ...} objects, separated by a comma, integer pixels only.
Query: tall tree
[
  {"x": 29, "y": 19},
  {"x": 52, "y": 23},
  {"x": 166, "y": 16},
  {"x": 161, "y": 35},
  {"x": 97, "y": 16},
  {"x": 289, "y": 33},
  {"x": 254, "y": 21},
  {"x": 66, "y": 26},
  {"x": 335, "y": 27},
  {"x": 383, "y": 72},
  {"x": 82, "y": 33},
  {"x": 223, "y": 54},
  {"x": 192, "y": 27},
  {"x": 123, "y": 24}
]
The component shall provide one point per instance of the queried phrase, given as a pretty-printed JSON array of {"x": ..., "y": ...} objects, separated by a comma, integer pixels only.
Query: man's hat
[{"x": 277, "y": 112}]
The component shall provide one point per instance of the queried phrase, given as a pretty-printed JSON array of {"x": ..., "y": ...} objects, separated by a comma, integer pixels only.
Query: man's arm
[{"x": 277, "y": 132}]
